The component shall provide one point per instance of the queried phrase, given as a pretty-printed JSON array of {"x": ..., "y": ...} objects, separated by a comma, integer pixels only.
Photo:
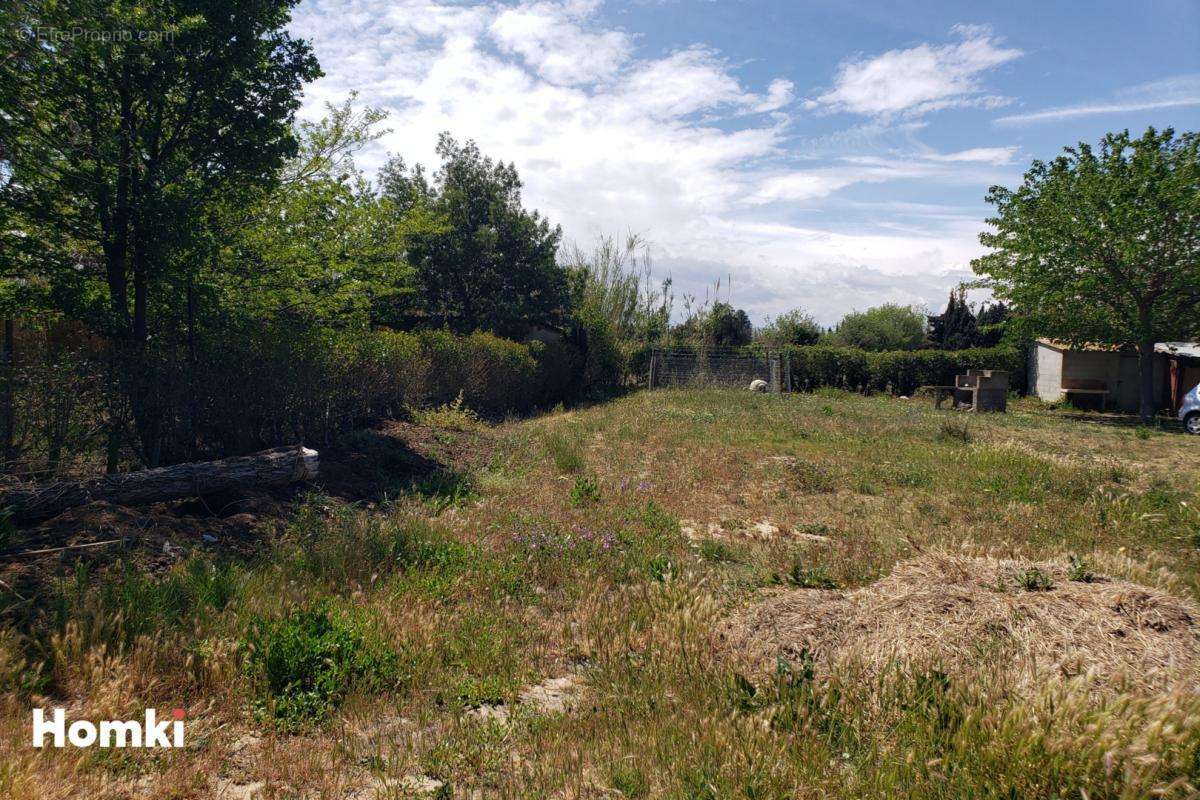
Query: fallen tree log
[{"x": 277, "y": 467}]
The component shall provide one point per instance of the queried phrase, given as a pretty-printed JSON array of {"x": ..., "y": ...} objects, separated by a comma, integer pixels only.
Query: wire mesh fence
[{"x": 717, "y": 367}]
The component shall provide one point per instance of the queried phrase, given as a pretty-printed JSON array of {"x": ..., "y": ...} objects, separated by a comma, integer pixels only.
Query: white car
[{"x": 1189, "y": 411}]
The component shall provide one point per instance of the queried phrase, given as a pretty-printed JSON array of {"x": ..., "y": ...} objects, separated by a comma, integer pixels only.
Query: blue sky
[{"x": 829, "y": 156}]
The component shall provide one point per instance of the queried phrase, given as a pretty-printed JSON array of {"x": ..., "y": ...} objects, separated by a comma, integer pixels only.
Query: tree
[
  {"x": 992, "y": 323},
  {"x": 1103, "y": 245},
  {"x": 793, "y": 327},
  {"x": 886, "y": 327},
  {"x": 117, "y": 145},
  {"x": 955, "y": 328},
  {"x": 491, "y": 265},
  {"x": 726, "y": 326},
  {"x": 613, "y": 283},
  {"x": 321, "y": 246}
]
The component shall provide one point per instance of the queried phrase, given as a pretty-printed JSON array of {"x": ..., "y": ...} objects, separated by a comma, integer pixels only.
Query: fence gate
[{"x": 717, "y": 367}]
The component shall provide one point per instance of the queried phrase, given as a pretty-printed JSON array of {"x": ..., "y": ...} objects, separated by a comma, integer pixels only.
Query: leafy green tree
[
  {"x": 1103, "y": 245},
  {"x": 491, "y": 265},
  {"x": 725, "y": 326},
  {"x": 955, "y": 328},
  {"x": 321, "y": 246},
  {"x": 795, "y": 327},
  {"x": 886, "y": 327},
  {"x": 117, "y": 145}
]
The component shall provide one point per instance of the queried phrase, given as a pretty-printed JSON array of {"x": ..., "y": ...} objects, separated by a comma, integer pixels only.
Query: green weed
[{"x": 304, "y": 664}]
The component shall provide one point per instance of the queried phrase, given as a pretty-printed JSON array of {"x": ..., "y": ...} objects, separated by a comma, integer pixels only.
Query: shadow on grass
[{"x": 1112, "y": 419}]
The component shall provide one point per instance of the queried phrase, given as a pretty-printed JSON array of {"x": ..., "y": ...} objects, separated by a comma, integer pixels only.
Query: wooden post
[{"x": 653, "y": 371}]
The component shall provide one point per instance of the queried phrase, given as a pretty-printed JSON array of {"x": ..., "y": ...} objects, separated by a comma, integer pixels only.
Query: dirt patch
[
  {"x": 763, "y": 530},
  {"x": 962, "y": 613},
  {"x": 152, "y": 538},
  {"x": 550, "y": 697}
]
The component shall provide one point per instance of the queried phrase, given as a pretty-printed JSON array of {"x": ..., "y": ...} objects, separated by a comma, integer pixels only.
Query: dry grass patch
[{"x": 961, "y": 613}]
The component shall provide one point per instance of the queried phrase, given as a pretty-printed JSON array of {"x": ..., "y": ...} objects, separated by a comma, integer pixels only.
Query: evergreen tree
[{"x": 956, "y": 328}]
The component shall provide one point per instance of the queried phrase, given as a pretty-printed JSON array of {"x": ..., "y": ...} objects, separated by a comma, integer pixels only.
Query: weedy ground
[{"x": 543, "y": 624}]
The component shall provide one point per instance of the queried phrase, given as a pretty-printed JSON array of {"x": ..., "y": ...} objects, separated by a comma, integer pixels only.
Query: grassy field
[{"x": 545, "y": 622}]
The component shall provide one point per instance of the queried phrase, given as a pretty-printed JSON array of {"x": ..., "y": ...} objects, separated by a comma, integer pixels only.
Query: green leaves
[
  {"x": 886, "y": 327},
  {"x": 1102, "y": 244},
  {"x": 489, "y": 264}
]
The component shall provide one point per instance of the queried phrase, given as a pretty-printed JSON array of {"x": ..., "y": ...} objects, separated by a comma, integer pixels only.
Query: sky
[{"x": 829, "y": 156}]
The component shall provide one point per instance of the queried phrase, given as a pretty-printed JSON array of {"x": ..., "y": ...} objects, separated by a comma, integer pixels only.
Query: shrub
[
  {"x": 304, "y": 664},
  {"x": 804, "y": 576},
  {"x": 452, "y": 416},
  {"x": 886, "y": 327},
  {"x": 558, "y": 371},
  {"x": 1034, "y": 580},
  {"x": 897, "y": 372},
  {"x": 1079, "y": 570},
  {"x": 498, "y": 374},
  {"x": 793, "y": 327},
  {"x": 586, "y": 491}
]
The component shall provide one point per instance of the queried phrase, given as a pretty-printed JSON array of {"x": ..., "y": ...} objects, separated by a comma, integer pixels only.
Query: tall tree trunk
[
  {"x": 8, "y": 357},
  {"x": 191, "y": 371},
  {"x": 1147, "y": 406}
]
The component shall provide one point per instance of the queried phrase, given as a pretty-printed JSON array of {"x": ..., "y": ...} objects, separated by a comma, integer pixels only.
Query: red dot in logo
[{"x": 178, "y": 713}]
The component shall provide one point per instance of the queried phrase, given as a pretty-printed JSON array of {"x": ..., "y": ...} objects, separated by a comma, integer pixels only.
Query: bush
[
  {"x": 886, "y": 327},
  {"x": 304, "y": 664},
  {"x": 263, "y": 385},
  {"x": 794, "y": 327},
  {"x": 1034, "y": 580},
  {"x": 585, "y": 492},
  {"x": 557, "y": 377},
  {"x": 897, "y": 372}
]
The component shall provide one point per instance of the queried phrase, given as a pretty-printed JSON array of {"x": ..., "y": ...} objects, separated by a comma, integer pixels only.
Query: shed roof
[
  {"x": 1089, "y": 346},
  {"x": 1187, "y": 349}
]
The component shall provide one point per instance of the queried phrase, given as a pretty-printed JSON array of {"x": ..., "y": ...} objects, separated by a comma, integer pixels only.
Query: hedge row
[
  {"x": 897, "y": 372},
  {"x": 280, "y": 384}
]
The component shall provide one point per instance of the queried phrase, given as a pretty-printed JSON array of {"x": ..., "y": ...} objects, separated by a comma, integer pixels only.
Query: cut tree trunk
[{"x": 277, "y": 467}]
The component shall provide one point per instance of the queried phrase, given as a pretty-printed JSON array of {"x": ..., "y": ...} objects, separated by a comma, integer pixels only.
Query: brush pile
[{"x": 963, "y": 614}]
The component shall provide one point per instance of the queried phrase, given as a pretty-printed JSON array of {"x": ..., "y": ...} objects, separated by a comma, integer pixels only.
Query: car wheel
[{"x": 1192, "y": 424}]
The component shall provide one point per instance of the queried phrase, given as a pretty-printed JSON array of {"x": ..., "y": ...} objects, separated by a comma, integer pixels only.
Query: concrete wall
[
  {"x": 1045, "y": 372},
  {"x": 1048, "y": 367}
]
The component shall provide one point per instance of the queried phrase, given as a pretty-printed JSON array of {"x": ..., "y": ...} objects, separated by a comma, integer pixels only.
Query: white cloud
[
  {"x": 607, "y": 139},
  {"x": 817, "y": 183},
  {"x": 1177, "y": 92},
  {"x": 990, "y": 155},
  {"x": 550, "y": 39},
  {"x": 920, "y": 79}
]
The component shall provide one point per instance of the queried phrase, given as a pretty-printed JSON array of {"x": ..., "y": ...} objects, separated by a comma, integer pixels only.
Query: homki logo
[{"x": 109, "y": 733}]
